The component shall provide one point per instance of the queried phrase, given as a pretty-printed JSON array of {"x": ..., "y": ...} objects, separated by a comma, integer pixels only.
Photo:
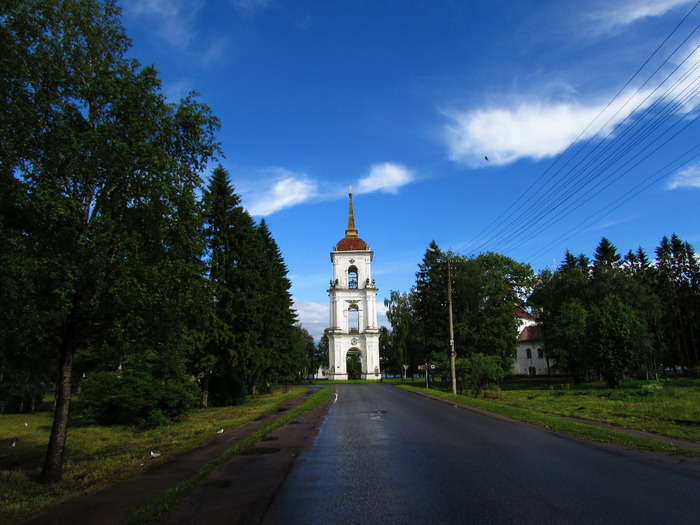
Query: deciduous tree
[{"x": 105, "y": 167}]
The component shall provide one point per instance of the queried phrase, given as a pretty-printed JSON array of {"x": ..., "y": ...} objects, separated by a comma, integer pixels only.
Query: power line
[{"x": 515, "y": 222}]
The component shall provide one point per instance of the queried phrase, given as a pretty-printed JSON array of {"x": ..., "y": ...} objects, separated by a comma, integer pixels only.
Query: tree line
[
  {"x": 614, "y": 315},
  {"x": 608, "y": 316},
  {"x": 487, "y": 290},
  {"x": 124, "y": 276}
]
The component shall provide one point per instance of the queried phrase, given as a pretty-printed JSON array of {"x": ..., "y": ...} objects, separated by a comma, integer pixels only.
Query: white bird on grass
[
  {"x": 13, "y": 443},
  {"x": 26, "y": 425},
  {"x": 220, "y": 431},
  {"x": 154, "y": 455}
]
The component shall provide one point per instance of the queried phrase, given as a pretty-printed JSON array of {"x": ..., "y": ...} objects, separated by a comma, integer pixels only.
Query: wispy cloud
[
  {"x": 386, "y": 177},
  {"x": 302, "y": 22},
  {"x": 250, "y": 6},
  {"x": 173, "y": 19},
  {"x": 281, "y": 189},
  {"x": 687, "y": 178},
  {"x": 631, "y": 11}
]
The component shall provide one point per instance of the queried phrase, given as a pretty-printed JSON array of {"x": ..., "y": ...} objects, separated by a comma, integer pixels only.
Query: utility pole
[{"x": 453, "y": 355}]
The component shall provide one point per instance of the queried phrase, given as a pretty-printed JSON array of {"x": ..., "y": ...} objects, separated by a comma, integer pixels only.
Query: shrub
[
  {"x": 650, "y": 389},
  {"x": 122, "y": 397},
  {"x": 477, "y": 371}
]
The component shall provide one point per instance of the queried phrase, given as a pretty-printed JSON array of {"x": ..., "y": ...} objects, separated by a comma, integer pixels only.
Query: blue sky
[{"x": 404, "y": 99}]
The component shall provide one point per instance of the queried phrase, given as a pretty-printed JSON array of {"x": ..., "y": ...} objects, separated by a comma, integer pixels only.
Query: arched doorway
[{"x": 354, "y": 363}]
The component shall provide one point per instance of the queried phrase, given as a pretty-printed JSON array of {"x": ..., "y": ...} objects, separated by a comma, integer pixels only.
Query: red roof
[
  {"x": 529, "y": 333},
  {"x": 522, "y": 314},
  {"x": 350, "y": 244}
]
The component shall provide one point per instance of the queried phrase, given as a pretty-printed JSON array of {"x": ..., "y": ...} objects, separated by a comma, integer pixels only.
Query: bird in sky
[
  {"x": 154, "y": 455},
  {"x": 486, "y": 157}
]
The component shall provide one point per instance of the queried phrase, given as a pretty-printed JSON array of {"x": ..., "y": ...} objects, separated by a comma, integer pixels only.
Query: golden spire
[{"x": 351, "y": 231}]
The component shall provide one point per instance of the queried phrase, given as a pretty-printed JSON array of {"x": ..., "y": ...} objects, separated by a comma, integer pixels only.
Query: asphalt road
[{"x": 387, "y": 456}]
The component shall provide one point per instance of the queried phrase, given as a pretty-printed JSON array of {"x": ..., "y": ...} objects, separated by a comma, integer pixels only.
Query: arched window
[
  {"x": 528, "y": 353},
  {"x": 352, "y": 277},
  {"x": 353, "y": 319}
]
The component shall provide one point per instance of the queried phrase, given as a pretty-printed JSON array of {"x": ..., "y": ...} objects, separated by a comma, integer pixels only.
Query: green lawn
[
  {"x": 667, "y": 408},
  {"x": 98, "y": 456}
]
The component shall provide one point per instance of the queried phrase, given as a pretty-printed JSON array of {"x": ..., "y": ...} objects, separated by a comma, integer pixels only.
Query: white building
[
  {"x": 531, "y": 360},
  {"x": 353, "y": 327}
]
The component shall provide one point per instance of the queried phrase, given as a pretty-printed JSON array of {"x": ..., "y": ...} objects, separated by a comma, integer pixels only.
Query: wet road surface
[{"x": 388, "y": 456}]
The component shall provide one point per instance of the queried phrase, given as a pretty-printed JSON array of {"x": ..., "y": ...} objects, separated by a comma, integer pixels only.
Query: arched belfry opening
[
  {"x": 353, "y": 319},
  {"x": 352, "y": 277},
  {"x": 353, "y": 334}
]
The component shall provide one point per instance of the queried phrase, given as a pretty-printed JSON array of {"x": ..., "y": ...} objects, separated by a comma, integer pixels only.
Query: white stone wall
[
  {"x": 341, "y": 298},
  {"x": 522, "y": 363}
]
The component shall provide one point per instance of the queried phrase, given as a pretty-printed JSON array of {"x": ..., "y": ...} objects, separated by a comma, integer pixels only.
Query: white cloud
[
  {"x": 631, "y": 11},
  {"x": 284, "y": 190},
  {"x": 687, "y": 178},
  {"x": 386, "y": 177},
  {"x": 273, "y": 189},
  {"x": 533, "y": 129},
  {"x": 313, "y": 316}
]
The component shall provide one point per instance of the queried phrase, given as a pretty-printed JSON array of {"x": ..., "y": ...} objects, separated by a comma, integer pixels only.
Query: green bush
[
  {"x": 694, "y": 372},
  {"x": 477, "y": 371},
  {"x": 122, "y": 397}
]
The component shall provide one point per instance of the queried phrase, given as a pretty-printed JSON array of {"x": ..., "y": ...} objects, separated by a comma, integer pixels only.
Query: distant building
[
  {"x": 531, "y": 360},
  {"x": 353, "y": 327}
]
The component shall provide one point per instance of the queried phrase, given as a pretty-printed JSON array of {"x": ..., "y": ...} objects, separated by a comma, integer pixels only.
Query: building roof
[
  {"x": 530, "y": 333},
  {"x": 348, "y": 245},
  {"x": 523, "y": 314},
  {"x": 351, "y": 242}
]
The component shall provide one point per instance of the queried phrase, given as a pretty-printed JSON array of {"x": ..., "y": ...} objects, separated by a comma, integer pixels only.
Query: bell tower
[{"x": 353, "y": 325}]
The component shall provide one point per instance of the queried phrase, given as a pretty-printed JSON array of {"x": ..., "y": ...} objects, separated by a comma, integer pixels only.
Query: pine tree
[
  {"x": 278, "y": 315},
  {"x": 216, "y": 347},
  {"x": 431, "y": 307}
]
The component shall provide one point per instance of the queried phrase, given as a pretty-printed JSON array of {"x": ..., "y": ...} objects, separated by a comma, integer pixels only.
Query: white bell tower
[{"x": 353, "y": 325}]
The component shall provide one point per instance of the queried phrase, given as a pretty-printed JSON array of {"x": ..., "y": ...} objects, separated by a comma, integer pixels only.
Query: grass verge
[
  {"x": 157, "y": 509},
  {"x": 99, "y": 456},
  {"x": 580, "y": 430}
]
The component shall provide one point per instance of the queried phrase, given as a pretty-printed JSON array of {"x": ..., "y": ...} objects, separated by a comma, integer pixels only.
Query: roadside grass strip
[
  {"x": 99, "y": 456},
  {"x": 158, "y": 508},
  {"x": 584, "y": 431}
]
